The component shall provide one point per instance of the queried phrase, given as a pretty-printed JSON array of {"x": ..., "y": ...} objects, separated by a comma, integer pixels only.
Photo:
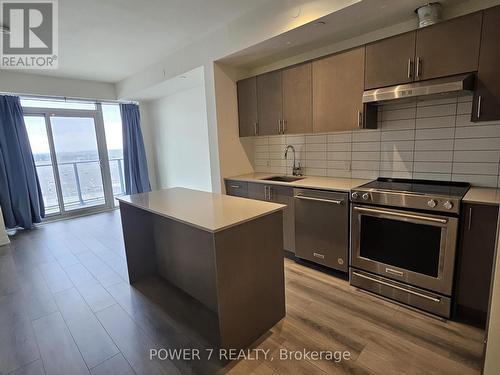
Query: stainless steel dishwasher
[{"x": 322, "y": 227}]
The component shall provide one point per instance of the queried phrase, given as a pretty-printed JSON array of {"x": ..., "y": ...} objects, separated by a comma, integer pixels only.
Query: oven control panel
[{"x": 407, "y": 200}]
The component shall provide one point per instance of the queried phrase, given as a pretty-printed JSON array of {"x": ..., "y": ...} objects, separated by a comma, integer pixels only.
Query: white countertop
[
  {"x": 312, "y": 182},
  {"x": 211, "y": 212},
  {"x": 482, "y": 195}
]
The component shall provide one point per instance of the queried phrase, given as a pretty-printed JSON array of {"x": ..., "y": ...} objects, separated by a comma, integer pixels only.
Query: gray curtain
[
  {"x": 20, "y": 194},
  {"x": 134, "y": 156}
]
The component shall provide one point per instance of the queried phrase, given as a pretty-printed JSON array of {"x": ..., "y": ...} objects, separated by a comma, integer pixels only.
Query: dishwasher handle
[{"x": 324, "y": 200}]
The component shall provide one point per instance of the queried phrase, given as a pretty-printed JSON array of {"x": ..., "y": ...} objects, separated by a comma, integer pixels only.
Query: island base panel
[
  {"x": 236, "y": 274},
  {"x": 250, "y": 279}
]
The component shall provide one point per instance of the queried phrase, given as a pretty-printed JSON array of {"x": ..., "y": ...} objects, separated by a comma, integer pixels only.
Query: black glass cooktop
[{"x": 428, "y": 187}]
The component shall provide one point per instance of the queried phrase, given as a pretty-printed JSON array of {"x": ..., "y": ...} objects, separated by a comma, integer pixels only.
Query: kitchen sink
[{"x": 283, "y": 178}]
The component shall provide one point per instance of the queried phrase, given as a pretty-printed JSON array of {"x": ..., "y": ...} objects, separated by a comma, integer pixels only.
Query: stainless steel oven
[
  {"x": 413, "y": 247},
  {"x": 403, "y": 240}
]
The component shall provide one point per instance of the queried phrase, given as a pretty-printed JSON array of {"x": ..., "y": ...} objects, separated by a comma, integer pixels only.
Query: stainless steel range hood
[{"x": 459, "y": 84}]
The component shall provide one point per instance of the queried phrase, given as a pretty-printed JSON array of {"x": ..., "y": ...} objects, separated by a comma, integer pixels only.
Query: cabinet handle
[
  {"x": 284, "y": 126},
  {"x": 469, "y": 222},
  {"x": 234, "y": 186},
  {"x": 256, "y": 128},
  {"x": 267, "y": 193},
  {"x": 479, "y": 101},
  {"x": 270, "y": 193},
  {"x": 409, "y": 68},
  {"x": 360, "y": 119},
  {"x": 417, "y": 67}
]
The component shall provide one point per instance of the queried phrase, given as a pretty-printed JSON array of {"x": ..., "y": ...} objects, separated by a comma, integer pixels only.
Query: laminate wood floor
[{"x": 66, "y": 308}]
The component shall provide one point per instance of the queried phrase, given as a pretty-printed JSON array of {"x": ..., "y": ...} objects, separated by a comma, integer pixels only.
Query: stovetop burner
[
  {"x": 427, "y": 187},
  {"x": 426, "y": 195}
]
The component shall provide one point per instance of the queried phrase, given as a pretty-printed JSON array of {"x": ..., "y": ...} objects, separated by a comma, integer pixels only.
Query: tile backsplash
[{"x": 426, "y": 139}]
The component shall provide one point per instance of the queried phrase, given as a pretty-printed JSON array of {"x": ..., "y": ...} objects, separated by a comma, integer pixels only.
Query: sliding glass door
[
  {"x": 39, "y": 140},
  {"x": 69, "y": 148},
  {"x": 78, "y": 162}
]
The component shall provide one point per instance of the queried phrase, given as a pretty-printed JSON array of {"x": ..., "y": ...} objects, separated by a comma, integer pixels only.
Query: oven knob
[
  {"x": 448, "y": 205},
  {"x": 355, "y": 195},
  {"x": 432, "y": 203},
  {"x": 365, "y": 196}
]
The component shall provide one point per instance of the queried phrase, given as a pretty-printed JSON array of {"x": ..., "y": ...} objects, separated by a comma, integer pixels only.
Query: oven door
[{"x": 411, "y": 247}]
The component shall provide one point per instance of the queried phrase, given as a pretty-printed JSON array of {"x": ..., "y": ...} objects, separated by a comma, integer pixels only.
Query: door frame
[{"x": 102, "y": 151}]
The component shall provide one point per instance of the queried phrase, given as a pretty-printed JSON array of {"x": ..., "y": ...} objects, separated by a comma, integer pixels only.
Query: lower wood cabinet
[
  {"x": 270, "y": 193},
  {"x": 475, "y": 261},
  {"x": 237, "y": 188}
]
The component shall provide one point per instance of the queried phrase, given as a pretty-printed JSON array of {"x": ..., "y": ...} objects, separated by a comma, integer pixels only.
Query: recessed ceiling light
[
  {"x": 4, "y": 29},
  {"x": 288, "y": 42}
]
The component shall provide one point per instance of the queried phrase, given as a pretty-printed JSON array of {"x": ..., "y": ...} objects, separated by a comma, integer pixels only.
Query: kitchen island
[{"x": 225, "y": 253}]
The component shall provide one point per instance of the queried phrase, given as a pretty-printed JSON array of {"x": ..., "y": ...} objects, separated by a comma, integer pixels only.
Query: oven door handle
[
  {"x": 421, "y": 295},
  {"x": 403, "y": 215}
]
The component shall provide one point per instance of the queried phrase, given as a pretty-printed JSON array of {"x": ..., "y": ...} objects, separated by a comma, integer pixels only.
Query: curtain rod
[{"x": 67, "y": 98}]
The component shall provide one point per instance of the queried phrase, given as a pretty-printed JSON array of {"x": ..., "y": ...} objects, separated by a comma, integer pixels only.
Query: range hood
[{"x": 459, "y": 84}]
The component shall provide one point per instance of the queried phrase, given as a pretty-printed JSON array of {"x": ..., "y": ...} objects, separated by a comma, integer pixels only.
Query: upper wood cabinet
[
  {"x": 247, "y": 107},
  {"x": 338, "y": 82},
  {"x": 390, "y": 61},
  {"x": 448, "y": 48},
  {"x": 270, "y": 103},
  {"x": 326, "y": 94},
  {"x": 297, "y": 99},
  {"x": 486, "y": 104}
]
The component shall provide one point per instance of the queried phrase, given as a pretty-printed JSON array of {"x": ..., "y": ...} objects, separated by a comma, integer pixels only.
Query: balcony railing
[{"x": 81, "y": 183}]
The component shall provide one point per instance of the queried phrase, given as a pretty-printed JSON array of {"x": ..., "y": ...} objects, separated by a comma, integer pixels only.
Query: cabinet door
[
  {"x": 486, "y": 104},
  {"x": 237, "y": 188},
  {"x": 338, "y": 83},
  {"x": 270, "y": 103},
  {"x": 390, "y": 61},
  {"x": 297, "y": 99},
  {"x": 247, "y": 106},
  {"x": 257, "y": 191},
  {"x": 284, "y": 195},
  {"x": 448, "y": 48},
  {"x": 475, "y": 260}
]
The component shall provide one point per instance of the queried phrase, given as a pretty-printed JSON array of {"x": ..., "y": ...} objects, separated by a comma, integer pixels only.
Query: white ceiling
[{"x": 108, "y": 40}]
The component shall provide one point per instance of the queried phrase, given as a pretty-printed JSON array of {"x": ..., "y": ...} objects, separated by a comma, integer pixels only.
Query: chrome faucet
[{"x": 296, "y": 170}]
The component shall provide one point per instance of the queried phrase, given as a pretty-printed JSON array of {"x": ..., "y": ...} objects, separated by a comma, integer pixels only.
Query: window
[{"x": 68, "y": 142}]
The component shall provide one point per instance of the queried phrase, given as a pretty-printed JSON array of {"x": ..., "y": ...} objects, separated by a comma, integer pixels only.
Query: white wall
[
  {"x": 177, "y": 126},
  {"x": 235, "y": 154},
  {"x": 34, "y": 84}
]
